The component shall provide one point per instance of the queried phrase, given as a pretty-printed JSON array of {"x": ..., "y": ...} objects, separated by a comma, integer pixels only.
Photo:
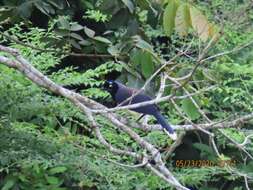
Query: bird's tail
[{"x": 162, "y": 121}]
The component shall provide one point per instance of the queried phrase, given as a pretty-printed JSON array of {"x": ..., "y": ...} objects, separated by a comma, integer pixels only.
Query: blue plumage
[{"x": 121, "y": 93}]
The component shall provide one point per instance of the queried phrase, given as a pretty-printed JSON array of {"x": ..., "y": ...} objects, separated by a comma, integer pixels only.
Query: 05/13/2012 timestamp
[{"x": 204, "y": 163}]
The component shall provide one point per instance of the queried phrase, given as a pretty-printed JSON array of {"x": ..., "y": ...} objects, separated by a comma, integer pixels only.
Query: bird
[{"x": 124, "y": 95}]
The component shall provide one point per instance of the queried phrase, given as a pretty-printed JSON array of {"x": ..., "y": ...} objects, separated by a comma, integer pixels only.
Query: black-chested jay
[{"x": 124, "y": 95}]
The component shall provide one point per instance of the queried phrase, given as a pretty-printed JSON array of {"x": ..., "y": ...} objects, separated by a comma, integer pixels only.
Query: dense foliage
[{"x": 46, "y": 143}]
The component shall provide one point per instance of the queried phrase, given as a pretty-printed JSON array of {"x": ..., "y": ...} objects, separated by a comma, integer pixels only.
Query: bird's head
[{"x": 111, "y": 86}]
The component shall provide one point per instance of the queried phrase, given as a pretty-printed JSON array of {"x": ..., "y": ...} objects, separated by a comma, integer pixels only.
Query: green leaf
[
  {"x": 205, "y": 151},
  {"x": 169, "y": 17},
  {"x": 140, "y": 43},
  {"x": 44, "y": 7},
  {"x": 76, "y": 36},
  {"x": 183, "y": 19},
  {"x": 9, "y": 184},
  {"x": 90, "y": 33},
  {"x": 143, "y": 4},
  {"x": 84, "y": 43},
  {"x": 136, "y": 57},
  {"x": 6, "y": 13},
  {"x": 74, "y": 44},
  {"x": 113, "y": 50},
  {"x": 190, "y": 109},
  {"x": 64, "y": 23},
  {"x": 147, "y": 65},
  {"x": 143, "y": 59},
  {"x": 248, "y": 168},
  {"x": 56, "y": 170},
  {"x": 62, "y": 32},
  {"x": 102, "y": 39},
  {"x": 52, "y": 180},
  {"x": 59, "y": 4},
  {"x": 129, "y": 5},
  {"x": 76, "y": 27},
  {"x": 130, "y": 70},
  {"x": 48, "y": 8},
  {"x": 86, "y": 4},
  {"x": 199, "y": 23}
]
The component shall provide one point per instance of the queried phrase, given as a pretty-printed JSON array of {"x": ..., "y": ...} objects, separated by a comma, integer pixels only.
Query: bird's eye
[{"x": 110, "y": 86}]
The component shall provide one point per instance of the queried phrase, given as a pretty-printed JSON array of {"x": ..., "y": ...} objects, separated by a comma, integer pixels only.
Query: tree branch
[{"x": 85, "y": 105}]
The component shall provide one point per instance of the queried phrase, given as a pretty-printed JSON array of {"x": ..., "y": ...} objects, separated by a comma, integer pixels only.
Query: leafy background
[{"x": 46, "y": 143}]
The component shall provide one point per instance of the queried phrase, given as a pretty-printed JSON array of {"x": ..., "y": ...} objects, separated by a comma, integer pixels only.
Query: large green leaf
[
  {"x": 147, "y": 65},
  {"x": 144, "y": 60},
  {"x": 199, "y": 23},
  {"x": 136, "y": 57},
  {"x": 183, "y": 19},
  {"x": 169, "y": 16},
  {"x": 190, "y": 109}
]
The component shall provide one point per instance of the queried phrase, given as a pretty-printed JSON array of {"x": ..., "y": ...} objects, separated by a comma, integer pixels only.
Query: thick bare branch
[{"x": 85, "y": 105}]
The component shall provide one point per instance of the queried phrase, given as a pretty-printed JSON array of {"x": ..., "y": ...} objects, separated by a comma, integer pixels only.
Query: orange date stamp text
[{"x": 204, "y": 163}]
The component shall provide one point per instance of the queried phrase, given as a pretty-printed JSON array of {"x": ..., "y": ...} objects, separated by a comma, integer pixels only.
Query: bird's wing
[{"x": 142, "y": 97}]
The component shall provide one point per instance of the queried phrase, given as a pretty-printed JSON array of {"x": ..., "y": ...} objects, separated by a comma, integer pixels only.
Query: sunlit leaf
[
  {"x": 182, "y": 20},
  {"x": 199, "y": 23},
  {"x": 213, "y": 31}
]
